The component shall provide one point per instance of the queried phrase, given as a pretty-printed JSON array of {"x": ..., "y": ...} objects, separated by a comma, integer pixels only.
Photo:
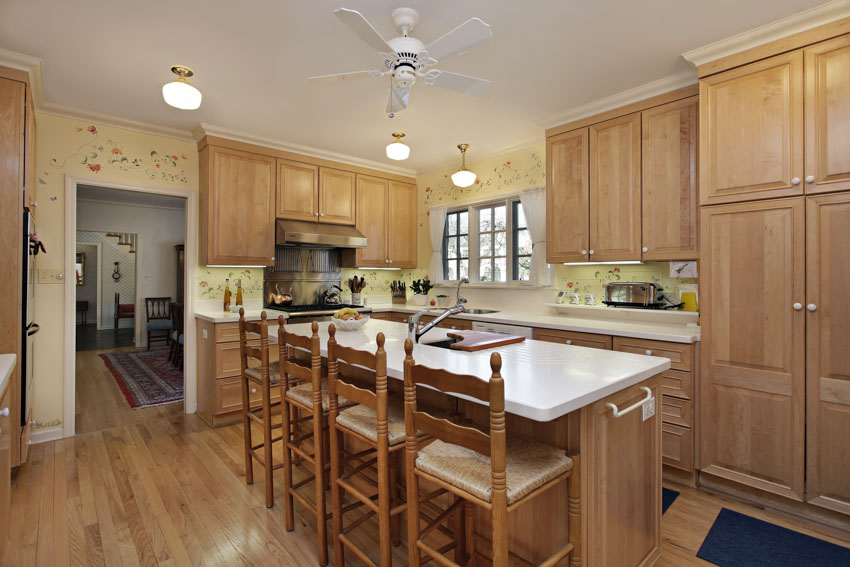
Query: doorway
[{"x": 132, "y": 250}]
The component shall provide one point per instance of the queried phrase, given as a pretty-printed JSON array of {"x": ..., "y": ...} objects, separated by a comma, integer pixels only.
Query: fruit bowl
[{"x": 349, "y": 324}]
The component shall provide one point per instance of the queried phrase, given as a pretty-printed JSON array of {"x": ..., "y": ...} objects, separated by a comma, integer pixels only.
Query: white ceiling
[
  {"x": 252, "y": 60},
  {"x": 121, "y": 197}
]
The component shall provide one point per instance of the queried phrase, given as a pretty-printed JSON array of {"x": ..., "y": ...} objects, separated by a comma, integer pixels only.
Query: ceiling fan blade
[
  {"x": 398, "y": 99},
  {"x": 361, "y": 26},
  {"x": 336, "y": 77},
  {"x": 465, "y": 84},
  {"x": 463, "y": 38}
]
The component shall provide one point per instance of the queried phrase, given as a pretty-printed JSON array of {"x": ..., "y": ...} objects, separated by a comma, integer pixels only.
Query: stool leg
[
  {"x": 246, "y": 426},
  {"x": 384, "y": 499},
  {"x": 460, "y": 532},
  {"x": 337, "y": 493},
  {"x": 319, "y": 471},
  {"x": 286, "y": 431},
  {"x": 267, "y": 443},
  {"x": 469, "y": 527},
  {"x": 395, "y": 521},
  {"x": 414, "y": 559}
]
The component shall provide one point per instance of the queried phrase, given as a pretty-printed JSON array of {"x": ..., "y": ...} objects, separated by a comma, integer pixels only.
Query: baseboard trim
[{"x": 46, "y": 435}]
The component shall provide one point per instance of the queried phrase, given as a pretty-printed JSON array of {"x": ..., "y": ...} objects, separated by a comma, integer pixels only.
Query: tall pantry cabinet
[{"x": 775, "y": 260}]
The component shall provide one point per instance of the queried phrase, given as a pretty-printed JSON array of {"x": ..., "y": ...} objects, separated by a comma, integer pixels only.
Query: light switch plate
[
  {"x": 205, "y": 334},
  {"x": 51, "y": 276},
  {"x": 649, "y": 408}
]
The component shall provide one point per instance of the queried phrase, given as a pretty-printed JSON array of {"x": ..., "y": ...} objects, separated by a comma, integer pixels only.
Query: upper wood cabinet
[
  {"x": 669, "y": 189},
  {"x": 615, "y": 178},
  {"x": 567, "y": 197},
  {"x": 828, "y": 357},
  {"x": 752, "y": 283},
  {"x": 386, "y": 215},
  {"x": 237, "y": 202},
  {"x": 401, "y": 240},
  {"x": 297, "y": 190},
  {"x": 827, "y": 114},
  {"x": 311, "y": 193},
  {"x": 337, "y": 195},
  {"x": 751, "y": 128}
]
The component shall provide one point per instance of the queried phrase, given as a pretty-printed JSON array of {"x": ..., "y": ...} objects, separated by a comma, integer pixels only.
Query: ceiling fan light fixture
[
  {"x": 179, "y": 93},
  {"x": 397, "y": 149},
  {"x": 463, "y": 177}
]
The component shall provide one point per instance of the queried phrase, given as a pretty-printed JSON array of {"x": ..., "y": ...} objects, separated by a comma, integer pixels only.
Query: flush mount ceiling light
[
  {"x": 179, "y": 93},
  {"x": 398, "y": 150},
  {"x": 463, "y": 177}
]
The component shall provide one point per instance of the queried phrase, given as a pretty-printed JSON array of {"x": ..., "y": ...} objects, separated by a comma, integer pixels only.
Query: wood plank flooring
[
  {"x": 172, "y": 491},
  {"x": 100, "y": 404}
]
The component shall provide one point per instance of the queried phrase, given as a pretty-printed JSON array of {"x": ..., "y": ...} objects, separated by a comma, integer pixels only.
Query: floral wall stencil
[
  {"x": 592, "y": 278},
  {"x": 97, "y": 152},
  {"x": 210, "y": 282}
]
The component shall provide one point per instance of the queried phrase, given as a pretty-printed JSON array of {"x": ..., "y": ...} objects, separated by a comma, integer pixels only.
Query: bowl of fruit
[{"x": 347, "y": 319}]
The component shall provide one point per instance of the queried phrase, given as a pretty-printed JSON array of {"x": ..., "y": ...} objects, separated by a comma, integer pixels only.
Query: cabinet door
[
  {"x": 669, "y": 191},
  {"x": 372, "y": 221},
  {"x": 827, "y": 353},
  {"x": 5, "y": 472},
  {"x": 337, "y": 192},
  {"x": 753, "y": 344},
  {"x": 567, "y": 197},
  {"x": 297, "y": 191},
  {"x": 401, "y": 225},
  {"x": 237, "y": 207},
  {"x": 828, "y": 115},
  {"x": 615, "y": 189},
  {"x": 751, "y": 131}
]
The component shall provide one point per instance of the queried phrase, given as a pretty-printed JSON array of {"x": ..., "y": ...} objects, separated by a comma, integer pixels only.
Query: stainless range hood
[{"x": 318, "y": 234}]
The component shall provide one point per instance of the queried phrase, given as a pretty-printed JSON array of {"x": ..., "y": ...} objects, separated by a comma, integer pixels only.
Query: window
[{"x": 488, "y": 243}]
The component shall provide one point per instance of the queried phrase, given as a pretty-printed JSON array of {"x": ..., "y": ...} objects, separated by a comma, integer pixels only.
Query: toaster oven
[{"x": 631, "y": 294}]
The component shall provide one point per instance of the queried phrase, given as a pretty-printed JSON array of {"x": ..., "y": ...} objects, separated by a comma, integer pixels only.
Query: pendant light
[
  {"x": 463, "y": 177},
  {"x": 398, "y": 150},
  {"x": 179, "y": 93}
]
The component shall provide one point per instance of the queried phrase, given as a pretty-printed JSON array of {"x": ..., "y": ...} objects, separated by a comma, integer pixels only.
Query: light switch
[
  {"x": 205, "y": 334},
  {"x": 51, "y": 276}
]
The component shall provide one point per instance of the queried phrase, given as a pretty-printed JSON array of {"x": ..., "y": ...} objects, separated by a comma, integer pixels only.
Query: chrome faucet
[{"x": 413, "y": 330}]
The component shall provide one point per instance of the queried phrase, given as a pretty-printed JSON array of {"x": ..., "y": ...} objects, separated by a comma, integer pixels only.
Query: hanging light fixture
[
  {"x": 398, "y": 150},
  {"x": 179, "y": 93},
  {"x": 463, "y": 177}
]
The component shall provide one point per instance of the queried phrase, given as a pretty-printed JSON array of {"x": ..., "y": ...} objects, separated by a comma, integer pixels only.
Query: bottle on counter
[
  {"x": 238, "y": 293},
  {"x": 227, "y": 295}
]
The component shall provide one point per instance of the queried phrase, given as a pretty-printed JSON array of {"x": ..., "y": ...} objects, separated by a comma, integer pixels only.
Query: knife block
[{"x": 400, "y": 296}]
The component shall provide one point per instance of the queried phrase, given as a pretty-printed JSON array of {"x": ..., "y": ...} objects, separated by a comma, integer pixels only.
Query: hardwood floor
[
  {"x": 100, "y": 404},
  {"x": 172, "y": 491},
  {"x": 89, "y": 338}
]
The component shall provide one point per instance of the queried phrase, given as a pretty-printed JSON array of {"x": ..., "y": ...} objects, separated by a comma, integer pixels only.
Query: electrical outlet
[
  {"x": 205, "y": 334},
  {"x": 649, "y": 408},
  {"x": 51, "y": 276}
]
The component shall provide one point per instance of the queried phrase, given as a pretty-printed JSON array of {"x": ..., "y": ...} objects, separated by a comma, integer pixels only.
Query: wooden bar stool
[
  {"x": 265, "y": 376},
  {"x": 301, "y": 361},
  {"x": 491, "y": 469},
  {"x": 378, "y": 423}
]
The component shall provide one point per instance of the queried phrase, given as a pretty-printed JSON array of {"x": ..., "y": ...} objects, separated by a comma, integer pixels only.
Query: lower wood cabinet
[
  {"x": 591, "y": 340},
  {"x": 5, "y": 469},
  {"x": 219, "y": 373}
]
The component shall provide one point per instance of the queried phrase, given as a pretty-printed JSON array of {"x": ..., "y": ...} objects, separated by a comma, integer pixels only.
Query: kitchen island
[{"x": 561, "y": 394}]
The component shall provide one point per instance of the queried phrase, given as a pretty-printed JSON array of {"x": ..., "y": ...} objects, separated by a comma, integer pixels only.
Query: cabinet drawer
[
  {"x": 681, "y": 355},
  {"x": 450, "y": 323},
  {"x": 573, "y": 338},
  {"x": 677, "y": 446},
  {"x": 226, "y": 332},
  {"x": 400, "y": 317},
  {"x": 228, "y": 395},
  {"x": 227, "y": 358},
  {"x": 384, "y": 316},
  {"x": 676, "y": 411},
  {"x": 678, "y": 384}
]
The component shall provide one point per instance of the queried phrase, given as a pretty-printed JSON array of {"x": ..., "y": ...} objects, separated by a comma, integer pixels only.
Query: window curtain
[
  {"x": 534, "y": 206},
  {"x": 437, "y": 223}
]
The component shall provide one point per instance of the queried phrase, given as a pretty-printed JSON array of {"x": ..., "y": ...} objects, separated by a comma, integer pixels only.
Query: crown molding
[
  {"x": 203, "y": 129},
  {"x": 454, "y": 163},
  {"x": 790, "y": 25},
  {"x": 624, "y": 98}
]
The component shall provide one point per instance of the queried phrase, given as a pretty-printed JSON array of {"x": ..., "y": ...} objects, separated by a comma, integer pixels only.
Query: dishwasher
[{"x": 502, "y": 329}]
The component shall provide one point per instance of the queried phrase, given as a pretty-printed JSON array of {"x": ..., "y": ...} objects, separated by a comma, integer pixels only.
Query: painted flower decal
[
  {"x": 427, "y": 189},
  {"x": 507, "y": 163},
  {"x": 79, "y": 129},
  {"x": 204, "y": 284},
  {"x": 570, "y": 285},
  {"x": 184, "y": 156},
  {"x": 95, "y": 167},
  {"x": 616, "y": 270},
  {"x": 91, "y": 129},
  {"x": 117, "y": 151}
]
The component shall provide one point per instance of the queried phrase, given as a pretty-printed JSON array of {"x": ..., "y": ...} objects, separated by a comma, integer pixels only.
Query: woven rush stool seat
[
  {"x": 303, "y": 394},
  {"x": 362, "y": 419},
  {"x": 254, "y": 372}
]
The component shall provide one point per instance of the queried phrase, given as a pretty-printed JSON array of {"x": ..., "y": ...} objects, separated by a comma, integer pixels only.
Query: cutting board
[{"x": 480, "y": 340}]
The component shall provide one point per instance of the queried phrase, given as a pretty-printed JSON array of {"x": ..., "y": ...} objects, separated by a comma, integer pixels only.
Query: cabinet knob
[
  {"x": 4, "y": 412},
  {"x": 645, "y": 249},
  {"x": 797, "y": 306},
  {"x": 591, "y": 252},
  {"x": 648, "y": 352},
  {"x": 317, "y": 214},
  {"x": 810, "y": 179},
  {"x": 321, "y": 214},
  {"x": 811, "y": 307},
  {"x": 569, "y": 341},
  {"x": 389, "y": 261},
  {"x": 795, "y": 181},
  {"x": 584, "y": 252}
]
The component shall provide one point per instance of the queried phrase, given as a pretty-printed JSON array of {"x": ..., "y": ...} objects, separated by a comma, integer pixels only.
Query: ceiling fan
[{"x": 406, "y": 58}]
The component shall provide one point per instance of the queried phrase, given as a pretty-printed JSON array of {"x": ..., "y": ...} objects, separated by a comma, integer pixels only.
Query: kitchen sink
[
  {"x": 480, "y": 311},
  {"x": 445, "y": 343}
]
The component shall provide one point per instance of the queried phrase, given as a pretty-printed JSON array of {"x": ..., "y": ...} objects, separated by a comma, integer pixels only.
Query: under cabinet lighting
[
  {"x": 596, "y": 263},
  {"x": 387, "y": 269},
  {"x": 234, "y": 266}
]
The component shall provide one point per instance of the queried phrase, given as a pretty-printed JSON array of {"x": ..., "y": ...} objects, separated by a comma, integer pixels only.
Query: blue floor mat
[
  {"x": 736, "y": 540},
  {"x": 667, "y": 498}
]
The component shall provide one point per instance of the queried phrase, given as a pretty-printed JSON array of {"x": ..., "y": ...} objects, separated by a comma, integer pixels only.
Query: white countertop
[
  {"x": 226, "y": 317},
  {"x": 7, "y": 365},
  {"x": 543, "y": 381}
]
